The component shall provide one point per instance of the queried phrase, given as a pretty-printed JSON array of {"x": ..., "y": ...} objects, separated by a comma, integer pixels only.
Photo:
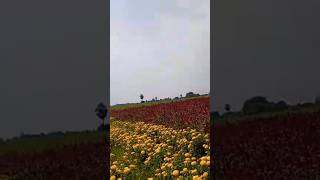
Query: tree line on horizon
[
  {"x": 260, "y": 104},
  {"x": 155, "y": 99}
]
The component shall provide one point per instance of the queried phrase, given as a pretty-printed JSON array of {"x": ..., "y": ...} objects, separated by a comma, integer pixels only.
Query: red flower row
[{"x": 178, "y": 114}]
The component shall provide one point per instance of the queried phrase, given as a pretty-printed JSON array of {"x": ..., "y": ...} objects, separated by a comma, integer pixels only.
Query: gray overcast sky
[
  {"x": 269, "y": 48},
  {"x": 160, "y": 48},
  {"x": 53, "y": 65}
]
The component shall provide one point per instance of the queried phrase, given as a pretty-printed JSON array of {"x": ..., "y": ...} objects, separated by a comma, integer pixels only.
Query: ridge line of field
[
  {"x": 264, "y": 116},
  {"x": 136, "y": 105}
]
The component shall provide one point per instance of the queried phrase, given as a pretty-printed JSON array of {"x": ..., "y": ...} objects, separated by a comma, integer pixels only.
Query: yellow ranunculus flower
[
  {"x": 185, "y": 169},
  {"x": 194, "y": 172},
  {"x": 175, "y": 173},
  {"x": 207, "y": 163},
  {"x": 126, "y": 170},
  {"x": 205, "y": 174},
  {"x": 113, "y": 167},
  {"x": 203, "y": 163}
]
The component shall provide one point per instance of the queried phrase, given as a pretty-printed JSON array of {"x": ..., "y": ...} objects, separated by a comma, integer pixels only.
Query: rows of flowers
[
  {"x": 192, "y": 113},
  {"x": 140, "y": 149},
  {"x": 279, "y": 147},
  {"x": 77, "y": 161}
]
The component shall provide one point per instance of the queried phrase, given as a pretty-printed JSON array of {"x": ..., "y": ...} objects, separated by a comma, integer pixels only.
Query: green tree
[{"x": 190, "y": 94}]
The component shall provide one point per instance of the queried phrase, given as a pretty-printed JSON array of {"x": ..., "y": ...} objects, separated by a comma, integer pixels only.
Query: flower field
[
  {"x": 166, "y": 145},
  {"x": 55, "y": 158},
  {"x": 280, "y": 147},
  {"x": 192, "y": 113}
]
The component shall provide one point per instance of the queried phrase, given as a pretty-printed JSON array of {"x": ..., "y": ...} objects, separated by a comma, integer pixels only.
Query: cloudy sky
[{"x": 160, "y": 48}]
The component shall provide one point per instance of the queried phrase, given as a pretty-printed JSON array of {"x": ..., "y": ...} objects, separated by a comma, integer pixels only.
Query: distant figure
[{"x": 141, "y": 97}]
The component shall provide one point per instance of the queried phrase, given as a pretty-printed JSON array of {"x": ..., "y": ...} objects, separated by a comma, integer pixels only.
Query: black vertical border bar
[
  {"x": 212, "y": 176},
  {"x": 107, "y": 148}
]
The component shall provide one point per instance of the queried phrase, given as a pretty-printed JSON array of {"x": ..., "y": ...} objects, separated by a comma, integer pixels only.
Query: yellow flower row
[{"x": 155, "y": 151}]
